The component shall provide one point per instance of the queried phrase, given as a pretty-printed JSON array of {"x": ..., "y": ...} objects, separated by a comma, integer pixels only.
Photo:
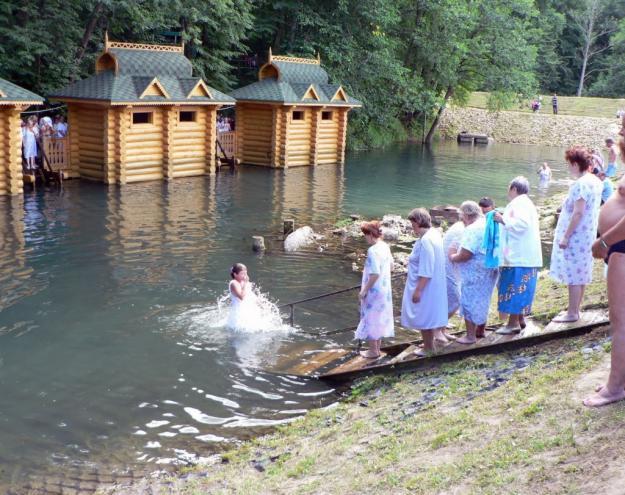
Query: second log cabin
[{"x": 292, "y": 116}]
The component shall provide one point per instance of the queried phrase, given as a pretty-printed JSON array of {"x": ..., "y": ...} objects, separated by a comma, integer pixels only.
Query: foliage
[{"x": 403, "y": 58}]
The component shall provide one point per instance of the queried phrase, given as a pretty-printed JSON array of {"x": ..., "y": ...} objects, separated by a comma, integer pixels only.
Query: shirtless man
[
  {"x": 612, "y": 244},
  {"x": 612, "y": 154}
]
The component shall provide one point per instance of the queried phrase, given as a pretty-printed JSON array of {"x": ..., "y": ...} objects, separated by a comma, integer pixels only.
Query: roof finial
[
  {"x": 106, "y": 40},
  {"x": 270, "y": 54},
  {"x": 318, "y": 57}
]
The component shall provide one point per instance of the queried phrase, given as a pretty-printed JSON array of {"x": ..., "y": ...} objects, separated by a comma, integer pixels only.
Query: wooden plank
[{"x": 492, "y": 343}]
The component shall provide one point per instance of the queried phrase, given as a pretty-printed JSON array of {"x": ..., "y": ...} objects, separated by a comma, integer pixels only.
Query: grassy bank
[
  {"x": 510, "y": 423},
  {"x": 567, "y": 105}
]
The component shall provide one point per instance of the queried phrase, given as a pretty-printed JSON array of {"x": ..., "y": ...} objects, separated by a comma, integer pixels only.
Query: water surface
[{"x": 109, "y": 355}]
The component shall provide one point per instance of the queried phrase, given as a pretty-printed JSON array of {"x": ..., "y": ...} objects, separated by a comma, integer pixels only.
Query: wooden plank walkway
[{"x": 345, "y": 364}]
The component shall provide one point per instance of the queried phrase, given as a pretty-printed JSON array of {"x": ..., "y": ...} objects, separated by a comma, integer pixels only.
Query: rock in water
[{"x": 304, "y": 236}]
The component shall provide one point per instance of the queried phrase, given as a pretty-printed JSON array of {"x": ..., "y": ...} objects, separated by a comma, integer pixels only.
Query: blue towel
[{"x": 491, "y": 241}]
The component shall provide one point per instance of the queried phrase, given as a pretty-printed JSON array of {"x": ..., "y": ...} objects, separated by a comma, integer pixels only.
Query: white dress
[
  {"x": 244, "y": 314},
  {"x": 452, "y": 238},
  {"x": 426, "y": 260},
  {"x": 376, "y": 309},
  {"x": 29, "y": 140},
  {"x": 573, "y": 265}
]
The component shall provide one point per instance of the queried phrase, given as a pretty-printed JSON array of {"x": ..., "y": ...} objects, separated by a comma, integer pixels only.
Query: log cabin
[
  {"x": 13, "y": 100},
  {"x": 292, "y": 116},
  {"x": 141, "y": 116}
]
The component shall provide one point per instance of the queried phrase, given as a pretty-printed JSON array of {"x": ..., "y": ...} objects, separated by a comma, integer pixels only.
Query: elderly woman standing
[
  {"x": 520, "y": 256},
  {"x": 571, "y": 259},
  {"x": 376, "y": 295},
  {"x": 424, "y": 305},
  {"x": 477, "y": 281}
]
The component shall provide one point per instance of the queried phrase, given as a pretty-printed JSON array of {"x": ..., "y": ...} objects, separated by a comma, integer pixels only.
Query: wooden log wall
[
  {"x": 144, "y": 147},
  {"x": 88, "y": 124},
  {"x": 4, "y": 162},
  {"x": 268, "y": 135},
  {"x": 106, "y": 145},
  {"x": 255, "y": 134},
  {"x": 299, "y": 138},
  {"x": 74, "y": 139},
  {"x": 327, "y": 141},
  {"x": 11, "y": 181},
  {"x": 342, "y": 134},
  {"x": 210, "y": 140}
]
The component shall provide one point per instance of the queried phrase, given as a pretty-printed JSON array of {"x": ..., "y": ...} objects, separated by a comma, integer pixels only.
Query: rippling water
[{"x": 107, "y": 354}]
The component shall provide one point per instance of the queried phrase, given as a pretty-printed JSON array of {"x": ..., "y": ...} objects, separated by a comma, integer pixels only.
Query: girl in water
[{"x": 244, "y": 310}]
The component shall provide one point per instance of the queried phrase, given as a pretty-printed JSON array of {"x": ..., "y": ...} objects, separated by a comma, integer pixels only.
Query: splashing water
[{"x": 255, "y": 314}]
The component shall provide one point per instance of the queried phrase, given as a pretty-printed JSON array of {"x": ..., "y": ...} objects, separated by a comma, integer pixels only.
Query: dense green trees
[{"x": 404, "y": 58}]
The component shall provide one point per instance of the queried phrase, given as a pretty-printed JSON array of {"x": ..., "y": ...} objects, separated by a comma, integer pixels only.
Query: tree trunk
[
  {"x": 448, "y": 94},
  {"x": 86, "y": 37},
  {"x": 582, "y": 75},
  {"x": 588, "y": 31}
]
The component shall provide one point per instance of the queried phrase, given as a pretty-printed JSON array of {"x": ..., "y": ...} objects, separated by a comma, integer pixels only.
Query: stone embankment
[{"x": 528, "y": 128}]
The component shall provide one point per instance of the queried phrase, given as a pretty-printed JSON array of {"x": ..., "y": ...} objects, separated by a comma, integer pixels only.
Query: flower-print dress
[
  {"x": 478, "y": 281},
  {"x": 376, "y": 309},
  {"x": 573, "y": 265}
]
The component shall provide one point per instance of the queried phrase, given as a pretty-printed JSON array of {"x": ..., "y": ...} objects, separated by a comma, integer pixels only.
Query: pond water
[{"x": 111, "y": 353}]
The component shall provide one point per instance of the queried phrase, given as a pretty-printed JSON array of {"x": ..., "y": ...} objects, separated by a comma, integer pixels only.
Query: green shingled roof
[
  {"x": 16, "y": 94},
  {"x": 274, "y": 90},
  {"x": 293, "y": 72},
  {"x": 148, "y": 62},
  {"x": 294, "y": 79},
  {"x": 136, "y": 69}
]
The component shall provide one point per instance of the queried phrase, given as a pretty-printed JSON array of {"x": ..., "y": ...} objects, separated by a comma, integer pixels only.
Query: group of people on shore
[
  {"x": 490, "y": 248},
  {"x": 34, "y": 130}
]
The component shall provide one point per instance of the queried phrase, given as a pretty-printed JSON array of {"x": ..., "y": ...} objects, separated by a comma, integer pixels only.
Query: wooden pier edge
[{"x": 428, "y": 361}]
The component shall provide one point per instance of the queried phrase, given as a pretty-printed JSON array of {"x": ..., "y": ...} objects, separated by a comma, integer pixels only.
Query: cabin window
[
  {"x": 142, "y": 117},
  {"x": 188, "y": 116},
  {"x": 326, "y": 115},
  {"x": 298, "y": 115}
]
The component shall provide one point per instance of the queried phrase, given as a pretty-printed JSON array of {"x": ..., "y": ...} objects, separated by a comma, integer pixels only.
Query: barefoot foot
[
  {"x": 604, "y": 397},
  {"x": 565, "y": 317},
  {"x": 466, "y": 340},
  {"x": 369, "y": 355}
]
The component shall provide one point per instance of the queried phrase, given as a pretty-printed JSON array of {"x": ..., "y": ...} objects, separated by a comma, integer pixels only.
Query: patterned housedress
[
  {"x": 452, "y": 272},
  {"x": 573, "y": 265},
  {"x": 478, "y": 281},
  {"x": 376, "y": 309}
]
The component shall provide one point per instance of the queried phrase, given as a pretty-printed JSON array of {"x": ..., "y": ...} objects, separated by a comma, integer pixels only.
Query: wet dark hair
[
  {"x": 237, "y": 268},
  {"x": 373, "y": 229},
  {"x": 486, "y": 202}
]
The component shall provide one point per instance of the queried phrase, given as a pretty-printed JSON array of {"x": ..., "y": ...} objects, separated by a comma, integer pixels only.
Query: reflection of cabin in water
[
  {"x": 292, "y": 115},
  {"x": 142, "y": 116},
  {"x": 13, "y": 100}
]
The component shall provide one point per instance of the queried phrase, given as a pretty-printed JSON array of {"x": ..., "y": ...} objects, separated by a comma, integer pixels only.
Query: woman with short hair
[
  {"x": 477, "y": 281},
  {"x": 424, "y": 304},
  {"x": 571, "y": 258},
  {"x": 520, "y": 256},
  {"x": 376, "y": 296}
]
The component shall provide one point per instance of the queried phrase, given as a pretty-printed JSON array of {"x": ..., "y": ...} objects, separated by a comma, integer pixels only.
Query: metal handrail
[{"x": 291, "y": 305}]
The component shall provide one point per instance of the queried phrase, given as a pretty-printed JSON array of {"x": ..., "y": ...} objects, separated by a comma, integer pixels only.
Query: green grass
[{"x": 567, "y": 105}]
